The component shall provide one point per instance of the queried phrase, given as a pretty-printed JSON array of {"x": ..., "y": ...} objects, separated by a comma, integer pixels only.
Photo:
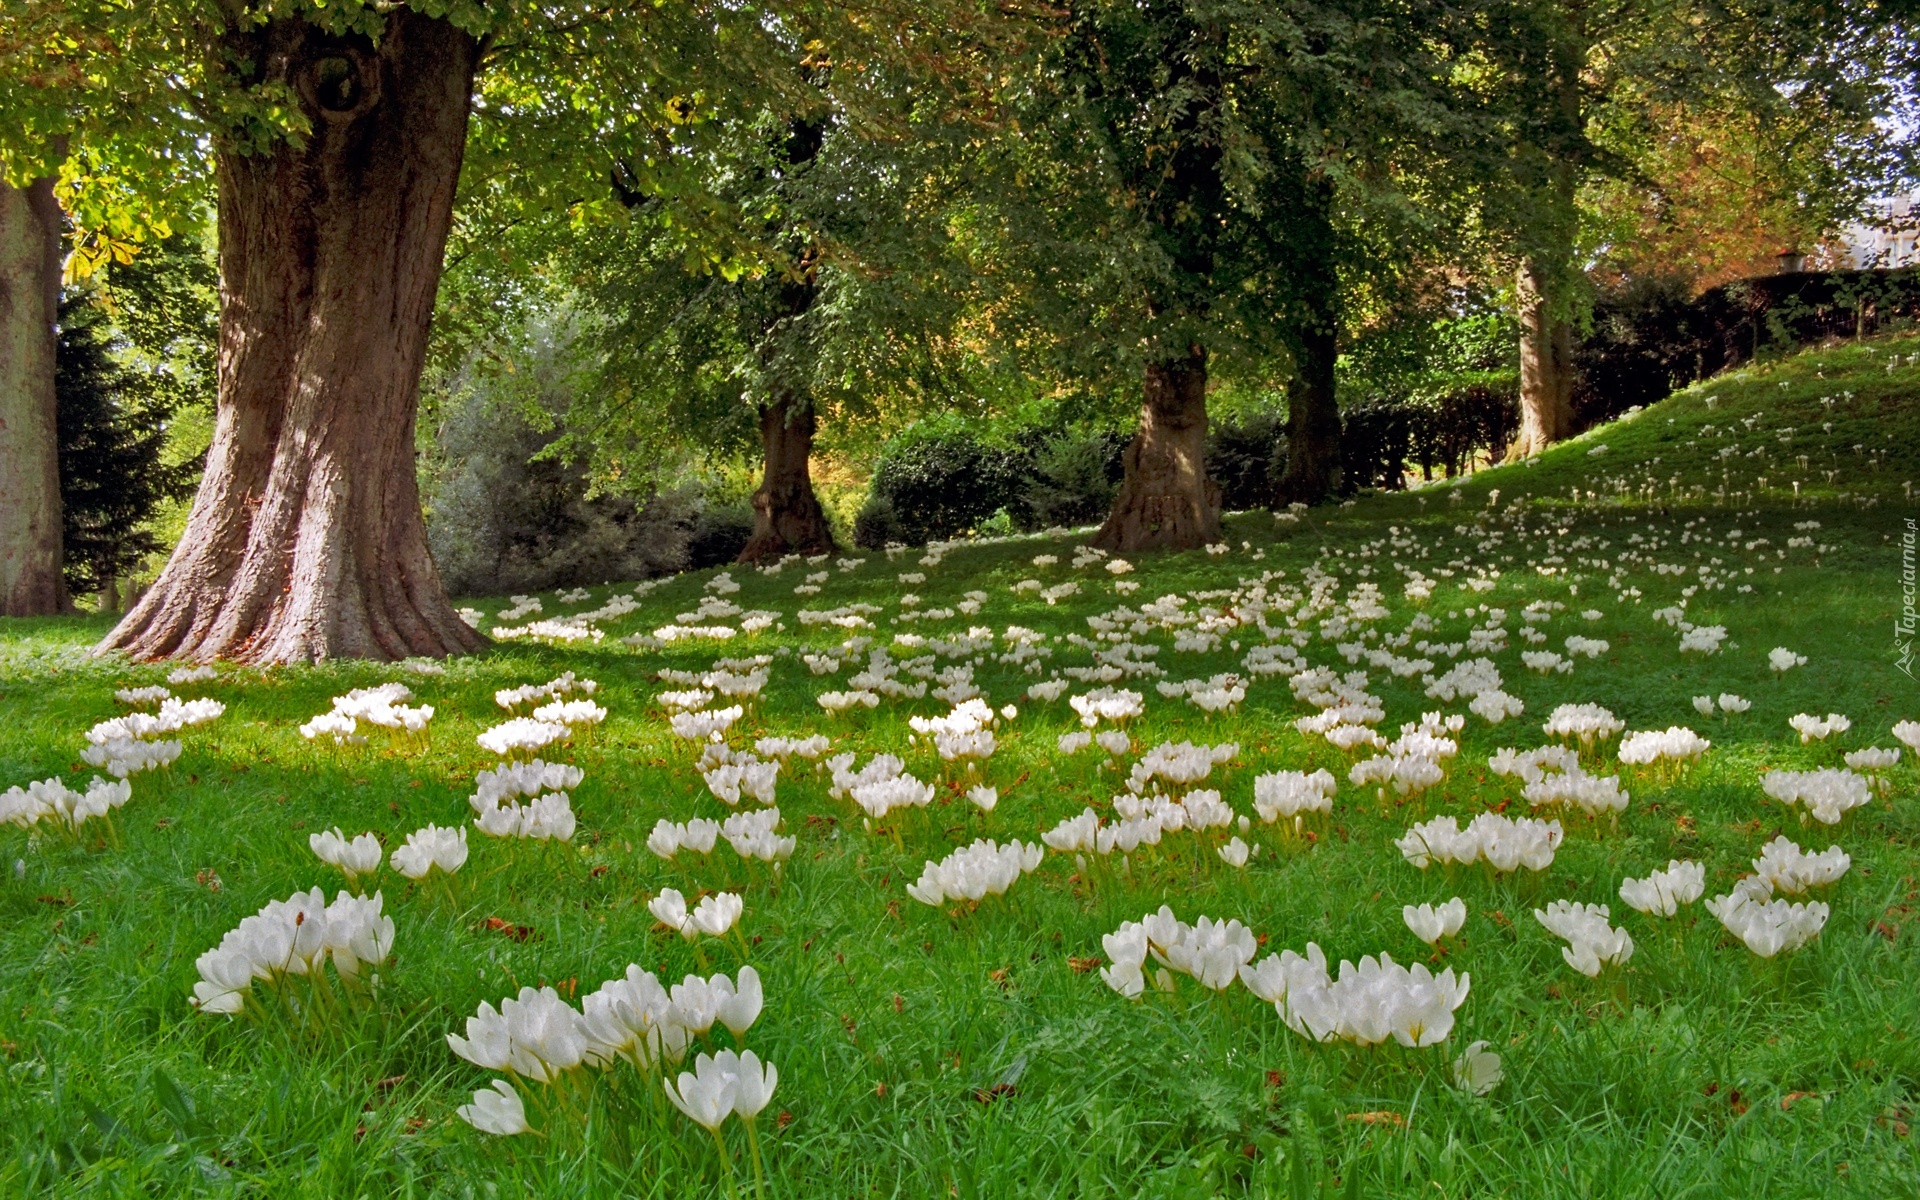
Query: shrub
[
  {"x": 1247, "y": 457},
  {"x": 1383, "y": 436},
  {"x": 112, "y": 428},
  {"x": 936, "y": 486},
  {"x": 1072, "y": 478},
  {"x": 719, "y": 533},
  {"x": 502, "y": 516}
]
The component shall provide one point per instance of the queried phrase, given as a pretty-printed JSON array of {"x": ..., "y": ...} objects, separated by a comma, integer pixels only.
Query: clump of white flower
[
  {"x": 1674, "y": 745},
  {"x": 141, "y": 697},
  {"x": 430, "y": 847},
  {"x": 1179, "y": 764},
  {"x": 1117, "y": 705},
  {"x": 1284, "y": 794},
  {"x": 537, "y": 1037},
  {"x": 706, "y": 726},
  {"x": 571, "y": 713},
  {"x": 174, "y": 715},
  {"x": 752, "y": 836},
  {"x": 357, "y": 856},
  {"x": 1790, "y": 869},
  {"x": 52, "y": 800},
  {"x": 1503, "y": 843},
  {"x": 547, "y": 817},
  {"x": 522, "y": 779},
  {"x": 742, "y": 775},
  {"x": 1591, "y": 794},
  {"x": 1531, "y": 766},
  {"x": 1907, "y": 733},
  {"x": 1430, "y": 923},
  {"x": 521, "y": 737},
  {"x": 183, "y": 675},
  {"x": 1495, "y": 706},
  {"x": 671, "y": 837},
  {"x": 1366, "y": 1004},
  {"x": 1827, "y": 794},
  {"x": 1663, "y": 892},
  {"x": 785, "y": 748},
  {"x": 1812, "y": 729},
  {"x": 122, "y": 757},
  {"x": 293, "y": 939},
  {"x": 1782, "y": 659},
  {"x": 1589, "y": 724},
  {"x": 713, "y": 916},
  {"x": 1702, "y": 639},
  {"x": 964, "y": 733},
  {"x": 1873, "y": 763},
  {"x": 1767, "y": 926},
  {"x": 1591, "y": 941},
  {"x": 563, "y": 685},
  {"x": 1545, "y": 661},
  {"x": 839, "y": 702},
  {"x": 980, "y": 869}
]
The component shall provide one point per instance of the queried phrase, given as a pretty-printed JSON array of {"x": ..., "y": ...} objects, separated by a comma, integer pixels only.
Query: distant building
[{"x": 1888, "y": 237}]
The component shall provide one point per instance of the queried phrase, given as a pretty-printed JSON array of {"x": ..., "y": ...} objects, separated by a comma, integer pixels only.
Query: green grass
[{"x": 892, "y": 1023}]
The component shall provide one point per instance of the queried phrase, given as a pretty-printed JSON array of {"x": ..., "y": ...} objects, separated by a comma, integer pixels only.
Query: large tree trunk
[
  {"x": 1313, "y": 419},
  {"x": 306, "y": 539},
  {"x": 1166, "y": 500},
  {"x": 787, "y": 517},
  {"x": 1314, "y": 469},
  {"x": 31, "y": 583},
  {"x": 1546, "y": 364}
]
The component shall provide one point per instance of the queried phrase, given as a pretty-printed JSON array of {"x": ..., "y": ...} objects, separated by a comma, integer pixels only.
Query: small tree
[{"x": 114, "y": 473}]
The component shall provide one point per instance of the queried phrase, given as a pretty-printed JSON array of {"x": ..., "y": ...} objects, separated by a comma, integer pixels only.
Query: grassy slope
[{"x": 886, "y": 1018}]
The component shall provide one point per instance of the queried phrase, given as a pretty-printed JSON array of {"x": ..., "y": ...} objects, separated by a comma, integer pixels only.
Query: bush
[
  {"x": 933, "y": 487},
  {"x": 1649, "y": 338},
  {"x": 1247, "y": 457},
  {"x": 112, "y": 426},
  {"x": 1072, "y": 478},
  {"x": 720, "y": 532},
  {"x": 928, "y": 487},
  {"x": 502, "y": 517},
  {"x": 1383, "y": 436}
]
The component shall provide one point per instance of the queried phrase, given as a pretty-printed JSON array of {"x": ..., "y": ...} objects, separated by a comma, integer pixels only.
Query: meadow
[{"x": 975, "y": 1048}]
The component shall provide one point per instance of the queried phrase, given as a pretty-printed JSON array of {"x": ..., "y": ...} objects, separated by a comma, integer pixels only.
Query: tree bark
[
  {"x": 1166, "y": 501},
  {"x": 31, "y": 582},
  {"x": 306, "y": 539},
  {"x": 1314, "y": 469},
  {"x": 787, "y": 517},
  {"x": 1313, "y": 419},
  {"x": 1546, "y": 365}
]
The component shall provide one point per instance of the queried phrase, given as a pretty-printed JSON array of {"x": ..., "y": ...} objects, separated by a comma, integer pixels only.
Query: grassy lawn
[{"x": 972, "y": 1051}]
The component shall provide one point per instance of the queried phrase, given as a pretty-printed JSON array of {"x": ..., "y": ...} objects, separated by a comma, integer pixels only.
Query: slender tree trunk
[
  {"x": 31, "y": 583},
  {"x": 787, "y": 517},
  {"x": 306, "y": 539},
  {"x": 1313, "y": 420},
  {"x": 1314, "y": 469},
  {"x": 1546, "y": 364},
  {"x": 1166, "y": 501}
]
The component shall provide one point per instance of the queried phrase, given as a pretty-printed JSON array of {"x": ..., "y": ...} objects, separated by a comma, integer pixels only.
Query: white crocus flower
[
  {"x": 1234, "y": 853},
  {"x": 1430, "y": 924},
  {"x": 1663, "y": 892},
  {"x": 705, "y": 1094},
  {"x": 360, "y": 856},
  {"x": 716, "y": 914},
  {"x": 498, "y": 1111},
  {"x": 430, "y": 847},
  {"x": 1478, "y": 1070}
]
